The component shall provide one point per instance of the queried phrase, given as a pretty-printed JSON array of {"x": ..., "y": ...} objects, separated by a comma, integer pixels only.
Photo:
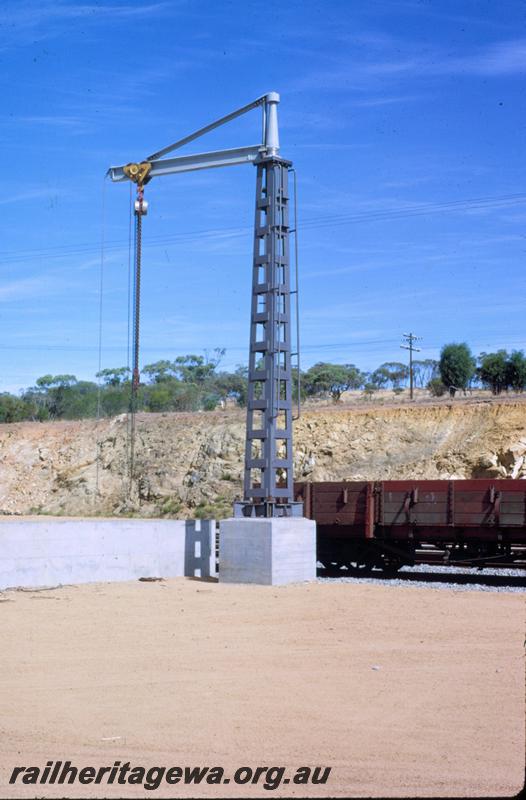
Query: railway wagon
[{"x": 366, "y": 524}]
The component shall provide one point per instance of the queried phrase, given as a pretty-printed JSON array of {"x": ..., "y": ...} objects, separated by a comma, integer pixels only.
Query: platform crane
[{"x": 268, "y": 488}]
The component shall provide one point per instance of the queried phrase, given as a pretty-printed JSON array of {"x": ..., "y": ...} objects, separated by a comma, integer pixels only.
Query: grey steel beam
[
  {"x": 271, "y": 97},
  {"x": 218, "y": 158}
]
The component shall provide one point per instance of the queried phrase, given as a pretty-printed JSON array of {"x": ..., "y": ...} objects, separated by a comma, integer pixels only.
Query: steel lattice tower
[{"x": 268, "y": 488}]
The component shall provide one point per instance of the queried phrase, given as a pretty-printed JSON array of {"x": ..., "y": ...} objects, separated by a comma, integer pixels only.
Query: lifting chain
[{"x": 140, "y": 209}]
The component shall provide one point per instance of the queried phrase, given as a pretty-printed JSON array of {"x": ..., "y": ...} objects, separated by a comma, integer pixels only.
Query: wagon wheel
[
  {"x": 359, "y": 567},
  {"x": 391, "y": 564}
]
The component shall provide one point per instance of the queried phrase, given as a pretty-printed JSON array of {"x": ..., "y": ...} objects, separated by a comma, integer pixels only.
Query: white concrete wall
[
  {"x": 50, "y": 551},
  {"x": 268, "y": 551}
]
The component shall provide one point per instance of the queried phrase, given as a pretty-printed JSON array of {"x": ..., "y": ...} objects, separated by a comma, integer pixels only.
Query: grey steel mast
[
  {"x": 268, "y": 479},
  {"x": 268, "y": 488}
]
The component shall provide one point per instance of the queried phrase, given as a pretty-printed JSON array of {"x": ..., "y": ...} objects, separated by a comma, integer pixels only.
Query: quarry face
[{"x": 191, "y": 464}]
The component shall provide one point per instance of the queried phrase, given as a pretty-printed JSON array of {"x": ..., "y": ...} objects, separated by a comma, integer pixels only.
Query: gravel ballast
[{"x": 459, "y": 579}]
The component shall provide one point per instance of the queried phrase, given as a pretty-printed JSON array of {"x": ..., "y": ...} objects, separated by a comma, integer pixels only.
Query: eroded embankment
[{"x": 188, "y": 463}]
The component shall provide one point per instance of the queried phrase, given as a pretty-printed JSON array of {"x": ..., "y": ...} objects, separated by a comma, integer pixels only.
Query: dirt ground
[{"x": 401, "y": 691}]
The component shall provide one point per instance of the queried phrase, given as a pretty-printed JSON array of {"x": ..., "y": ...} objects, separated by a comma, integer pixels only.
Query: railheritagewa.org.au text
[{"x": 152, "y": 778}]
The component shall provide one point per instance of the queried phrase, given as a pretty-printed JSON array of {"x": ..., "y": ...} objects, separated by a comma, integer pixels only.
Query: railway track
[
  {"x": 433, "y": 556},
  {"x": 460, "y": 578}
]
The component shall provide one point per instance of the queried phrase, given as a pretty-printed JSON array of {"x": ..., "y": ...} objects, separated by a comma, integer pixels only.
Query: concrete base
[
  {"x": 267, "y": 551},
  {"x": 47, "y": 551}
]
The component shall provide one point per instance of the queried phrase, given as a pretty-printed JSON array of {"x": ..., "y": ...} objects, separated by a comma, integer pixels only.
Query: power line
[
  {"x": 154, "y": 348},
  {"x": 187, "y": 237}
]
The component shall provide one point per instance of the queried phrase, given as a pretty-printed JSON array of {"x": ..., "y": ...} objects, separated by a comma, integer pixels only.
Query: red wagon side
[{"x": 389, "y": 523}]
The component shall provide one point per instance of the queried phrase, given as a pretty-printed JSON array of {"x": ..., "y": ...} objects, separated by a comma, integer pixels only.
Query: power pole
[{"x": 410, "y": 339}]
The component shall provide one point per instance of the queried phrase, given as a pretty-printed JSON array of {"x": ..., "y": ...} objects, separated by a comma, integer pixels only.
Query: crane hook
[{"x": 140, "y": 205}]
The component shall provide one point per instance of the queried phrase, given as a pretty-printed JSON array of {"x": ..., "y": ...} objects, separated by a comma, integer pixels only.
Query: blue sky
[{"x": 404, "y": 119}]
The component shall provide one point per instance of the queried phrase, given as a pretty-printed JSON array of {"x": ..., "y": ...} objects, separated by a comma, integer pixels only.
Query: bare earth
[
  {"x": 190, "y": 465},
  {"x": 185, "y": 672}
]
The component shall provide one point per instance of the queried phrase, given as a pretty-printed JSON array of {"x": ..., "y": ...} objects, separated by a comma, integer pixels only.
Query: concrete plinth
[
  {"x": 267, "y": 550},
  {"x": 46, "y": 551}
]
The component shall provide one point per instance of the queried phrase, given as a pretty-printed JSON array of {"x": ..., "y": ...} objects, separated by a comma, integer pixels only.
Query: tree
[
  {"x": 114, "y": 376},
  {"x": 424, "y": 371},
  {"x": 436, "y": 387},
  {"x": 48, "y": 381},
  {"x": 54, "y": 392},
  {"x": 159, "y": 371},
  {"x": 188, "y": 369},
  {"x": 333, "y": 379},
  {"x": 187, "y": 397},
  {"x": 380, "y": 377},
  {"x": 232, "y": 385},
  {"x": 194, "y": 369},
  {"x": 189, "y": 383},
  {"x": 116, "y": 399},
  {"x": 15, "y": 409},
  {"x": 76, "y": 401},
  {"x": 159, "y": 397},
  {"x": 298, "y": 382},
  {"x": 369, "y": 389},
  {"x": 516, "y": 371},
  {"x": 456, "y": 366},
  {"x": 393, "y": 372},
  {"x": 210, "y": 401},
  {"x": 494, "y": 370}
]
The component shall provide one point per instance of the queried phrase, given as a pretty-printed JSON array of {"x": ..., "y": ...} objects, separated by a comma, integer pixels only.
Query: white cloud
[
  {"x": 30, "y": 20},
  {"x": 29, "y": 194},
  {"x": 24, "y": 287},
  {"x": 501, "y": 58},
  {"x": 372, "y": 102},
  {"x": 31, "y": 14},
  {"x": 359, "y": 72}
]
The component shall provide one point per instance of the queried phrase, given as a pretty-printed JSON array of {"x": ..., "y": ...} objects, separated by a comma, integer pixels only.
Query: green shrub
[
  {"x": 171, "y": 506},
  {"x": 436, "y": 387}
]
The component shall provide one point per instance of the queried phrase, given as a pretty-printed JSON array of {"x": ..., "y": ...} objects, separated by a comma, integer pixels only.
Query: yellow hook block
[{"x": 138, "y": 173}]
